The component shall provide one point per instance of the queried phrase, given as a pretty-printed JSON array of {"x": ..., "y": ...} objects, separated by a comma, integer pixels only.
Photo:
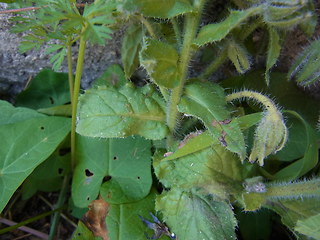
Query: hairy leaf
[
  {"x": 206, "y": 101},
  {"x": 273, "y": 51},
  {"x": 214, "y": 169},
  {"x": 217, "y": 31},
  {"x": 292, "y": 211},
  {"x": 131, "y": 45},
  {"x": 161, "y": 62},
  {"x": 123, "y": 220},
  {"x": 193, "y": 216},
  {"x": 306, "y": 68},
  {"x": 113, "y": 76},
  {"x": 120, "y": 169},
  {"x": 309, "y": 227},
  {"x": 164, "y": 8},
  {"x": 20, "y": 154},
  {"x": 47, "y": 89},
  {"x": 108, "y": 112}
]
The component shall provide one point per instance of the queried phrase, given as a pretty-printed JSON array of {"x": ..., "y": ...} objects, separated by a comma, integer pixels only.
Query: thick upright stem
[
  {"x": 190, "y": 30},
  {"x": 75, "y": 96},
  {"x": 70, "y": 71}
]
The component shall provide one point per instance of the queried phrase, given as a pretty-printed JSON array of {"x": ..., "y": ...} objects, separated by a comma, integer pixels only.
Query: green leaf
[
  {"x": 113, "y": 76},
  {"x": 62, "y": 110},
  {"x": 120, "y": 169},
  {"x": 108, "y": 112},
  {"x": 98, "y": 18},
  {"x": 58, "y": 58},
  {"x": 217, "y": 31},
  {"x": 206, "y": 101},
  {"x": 273, "y": 51},
  {"x": 193, "y": 216},
  {"x": 310, "y": 159},
  {"x": 131, "y": 45},
  {"x": 123, "y": 219},
  {"x": 309, "y": 227},
  {"x": 47, "y": 89},
  {"x": 292, "y": 211},
  {"x": 306, "y": 68},
  {"x": 82, "y": 232},
  {"x": 214, "y": 169},
  {"x": 48, "y": 176},
  {"x": 20, "y": 154},
  {"x": 161, "y": 62},
  {"x": 205, "y": 140},
  {"x": 164, "y": 8},
  {"x": 10, "y": 114}
]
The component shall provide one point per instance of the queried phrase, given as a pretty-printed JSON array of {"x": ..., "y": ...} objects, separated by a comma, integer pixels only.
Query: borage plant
[{"x": 182, "y": 148}]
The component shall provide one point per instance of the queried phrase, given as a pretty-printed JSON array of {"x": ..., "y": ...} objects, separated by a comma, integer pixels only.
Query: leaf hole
[
  {"x": 79, "y": 234},
  {"x": 88, "y": 173},
  {"x": 42, "y": 128},
  {"x": 138, "y": 177},
  {"x": 64, "y": 151},
  {"x": 51, "y": 100},
  {"x": 107, "y": 178},
  {"x": 60, "y": 171},
  {"x": 88, "y": 198},
  {"x": 115, "y": 158}
]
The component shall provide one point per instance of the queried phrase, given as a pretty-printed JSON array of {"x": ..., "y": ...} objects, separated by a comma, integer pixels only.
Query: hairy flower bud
[
  {"x": 285, "y": 13},
  {"x": 270, "y": 136}
]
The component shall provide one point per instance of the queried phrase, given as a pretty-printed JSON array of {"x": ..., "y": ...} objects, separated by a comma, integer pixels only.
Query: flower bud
[
  {"x": 270, "y": 136},
  {"x": 285, "y": 13}
]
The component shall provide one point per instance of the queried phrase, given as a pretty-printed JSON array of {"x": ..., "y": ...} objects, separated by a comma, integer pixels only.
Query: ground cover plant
[{"x": 181, "y": 157}]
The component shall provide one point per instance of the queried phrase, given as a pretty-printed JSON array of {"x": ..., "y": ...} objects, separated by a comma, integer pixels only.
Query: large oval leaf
[
  {"x": 20, "y": 154},
  {"x": 109, "y": 112},
  {"x": 193, "y": 216},
  {"x": 120, "y": 169},
  {"x": 206, "y": 101}
]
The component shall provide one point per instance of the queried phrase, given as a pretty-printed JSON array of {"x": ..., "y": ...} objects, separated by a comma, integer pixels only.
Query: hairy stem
[
  {"x": 301, "y": 189},
  {"x": 190, "y": 30},
  {"x": 264, "y": 100},
  {"x": 148, "y": 26},
  {"x": 177, "y": 31},
  {"x": 75, "y": 96}
]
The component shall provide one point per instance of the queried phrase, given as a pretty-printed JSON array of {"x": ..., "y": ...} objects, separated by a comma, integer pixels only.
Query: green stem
[
  {"x": 217, "y": 62},
  {"x": 177, "y": 31},
  {"x": 75, "y": 96},
  {"x": 191, "y": 26},
  {"x": 264, "y": 100},
  {"x": 70, "y": 71},
  {"x": 294, "y": 190},
  {"x": 30, "y": 220},
  {"x": 61, "y": 200}
]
